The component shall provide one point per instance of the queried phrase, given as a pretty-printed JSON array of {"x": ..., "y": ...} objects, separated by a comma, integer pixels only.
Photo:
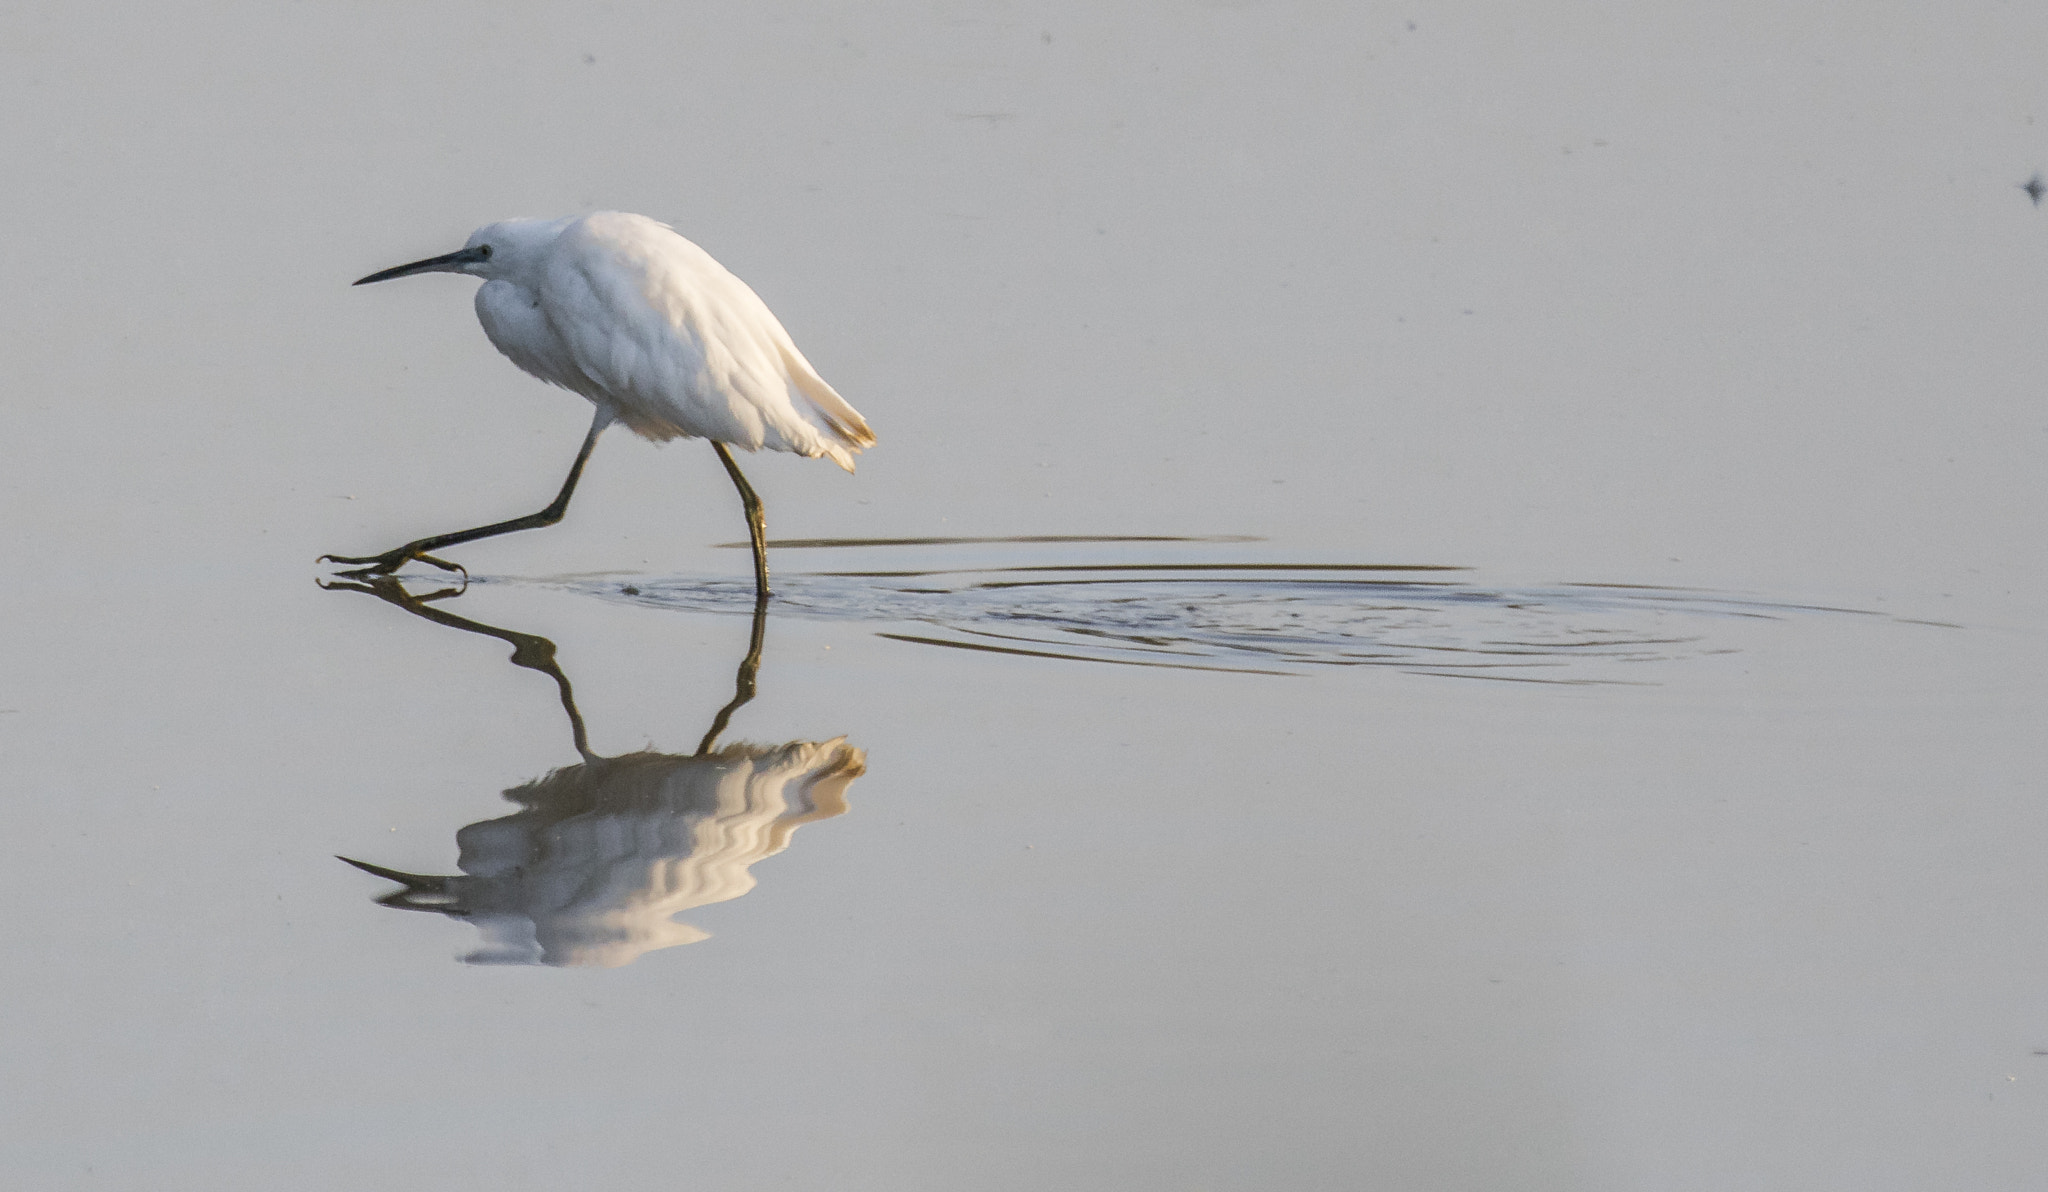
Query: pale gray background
[{"x": 1729, "y": 296}]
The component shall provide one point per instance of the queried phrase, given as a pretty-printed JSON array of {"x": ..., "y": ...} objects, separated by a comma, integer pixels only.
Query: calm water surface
[{"x": 1443, "y": 603}]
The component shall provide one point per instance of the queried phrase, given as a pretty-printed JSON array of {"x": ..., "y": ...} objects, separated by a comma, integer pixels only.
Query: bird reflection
[{"x": 603, "y": 854}]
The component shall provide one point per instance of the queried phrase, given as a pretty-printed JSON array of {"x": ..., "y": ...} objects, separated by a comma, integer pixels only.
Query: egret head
[{"x": 495, "y": 250}]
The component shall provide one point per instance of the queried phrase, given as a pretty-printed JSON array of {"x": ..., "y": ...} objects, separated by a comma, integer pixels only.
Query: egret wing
[{"x": 681, "y": 347}]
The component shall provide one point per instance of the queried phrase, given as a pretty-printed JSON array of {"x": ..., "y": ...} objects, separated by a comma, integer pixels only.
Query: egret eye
[{"x": 484, "y": 251}]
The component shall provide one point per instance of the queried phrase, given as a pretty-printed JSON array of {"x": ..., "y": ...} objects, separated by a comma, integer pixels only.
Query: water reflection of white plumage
[{"x": 604, "y": 854}]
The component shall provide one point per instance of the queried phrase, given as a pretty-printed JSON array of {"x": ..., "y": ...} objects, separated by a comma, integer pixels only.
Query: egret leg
[
  {"x": 392, "y": 560},
  {"x": 756, "y": 523}
]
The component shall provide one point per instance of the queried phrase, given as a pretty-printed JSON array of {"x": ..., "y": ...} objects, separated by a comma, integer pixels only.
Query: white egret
[{"x": 657, "y": 335}]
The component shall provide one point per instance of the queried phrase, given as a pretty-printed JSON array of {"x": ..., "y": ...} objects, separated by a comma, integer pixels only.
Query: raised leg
[
  {"x": 392, "y": 560},
  {"x": 756, "y": 523}
]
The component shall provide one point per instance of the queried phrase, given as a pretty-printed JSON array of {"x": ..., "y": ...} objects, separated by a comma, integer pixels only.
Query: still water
[{"x": 1444, "y": 601}]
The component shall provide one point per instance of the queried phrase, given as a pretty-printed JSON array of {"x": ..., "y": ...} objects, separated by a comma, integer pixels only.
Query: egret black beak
[{"x": 450, "y": 263}]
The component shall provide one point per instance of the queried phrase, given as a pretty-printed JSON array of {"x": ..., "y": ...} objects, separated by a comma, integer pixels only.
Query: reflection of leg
[
  {"x": 392, "y": 560},
  {"x": 756, "y": 523},
  {"x": 529, "y": 650},
  {"x": 743, "y": 683}
]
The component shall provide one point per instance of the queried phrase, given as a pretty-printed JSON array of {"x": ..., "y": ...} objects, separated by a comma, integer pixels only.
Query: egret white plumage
[{"x": 658, "y": 335}]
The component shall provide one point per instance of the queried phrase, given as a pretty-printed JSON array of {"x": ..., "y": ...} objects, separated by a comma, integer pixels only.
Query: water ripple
[{"x": 1262, "y": 618}]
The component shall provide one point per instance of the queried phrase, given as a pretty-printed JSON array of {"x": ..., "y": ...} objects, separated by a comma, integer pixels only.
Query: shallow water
[{"x": 1443, "y": 602}]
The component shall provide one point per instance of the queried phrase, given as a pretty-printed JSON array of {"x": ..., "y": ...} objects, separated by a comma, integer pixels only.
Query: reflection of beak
[
  {"x": 423, "y": 892},
  {"x": 451, "y": 263}
]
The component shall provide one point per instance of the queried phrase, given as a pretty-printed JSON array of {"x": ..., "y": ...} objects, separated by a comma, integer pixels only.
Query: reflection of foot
[
  {"x": 391, "y": 561},
  {"x": 386, "y": 586}
]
